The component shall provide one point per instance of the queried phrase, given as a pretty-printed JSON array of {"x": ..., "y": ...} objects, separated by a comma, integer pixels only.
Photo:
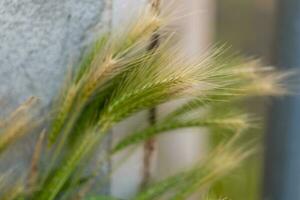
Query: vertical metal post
[{"x": 282, "y": 163}]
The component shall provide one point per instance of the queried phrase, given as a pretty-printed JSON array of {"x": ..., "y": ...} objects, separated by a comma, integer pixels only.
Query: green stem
[
  {"x": 62, "y": 142},
  {"x": 162, "y": 127},
  {"x": 81, "y": 151}
]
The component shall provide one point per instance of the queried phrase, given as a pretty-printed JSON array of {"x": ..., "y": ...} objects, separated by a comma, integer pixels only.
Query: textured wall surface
[{"x": 39, "y": 38}]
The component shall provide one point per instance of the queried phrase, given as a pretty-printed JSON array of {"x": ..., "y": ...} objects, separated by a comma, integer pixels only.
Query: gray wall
[{"x": 39, "y": 38}]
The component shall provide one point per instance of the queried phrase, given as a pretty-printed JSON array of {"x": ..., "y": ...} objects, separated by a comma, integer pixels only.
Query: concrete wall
[{"x": 39, "y": 38}]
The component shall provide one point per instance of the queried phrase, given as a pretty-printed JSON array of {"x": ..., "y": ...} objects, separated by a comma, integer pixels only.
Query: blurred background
[
  {"x": 260, "y": 29},
  {"x": 269, "y": 30},
  {"x": 249, "y": 27}
]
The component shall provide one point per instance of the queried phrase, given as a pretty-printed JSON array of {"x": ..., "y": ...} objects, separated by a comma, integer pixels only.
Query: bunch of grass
[{"x": 119, "y": 77}]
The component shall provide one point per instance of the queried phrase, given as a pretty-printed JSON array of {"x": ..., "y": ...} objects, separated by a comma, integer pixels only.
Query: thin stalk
[
  {"x": 58, "y": 149},
  {"x": 69, "y": 165},
  {"x": 152, "y": 131},
  {"x": 149, "y": 145}
]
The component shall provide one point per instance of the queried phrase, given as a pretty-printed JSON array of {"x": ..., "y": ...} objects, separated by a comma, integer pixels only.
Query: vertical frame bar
[{"x": 282, "y": 163}]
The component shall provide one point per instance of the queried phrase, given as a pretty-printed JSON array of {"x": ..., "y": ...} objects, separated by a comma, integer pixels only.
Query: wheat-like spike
[
  {"x": 18, "y": 124},
  {"x": 213, "y": 174},
  {"x": 145, "y": 96},
  {"x": 254, "y": 81},
  {"x": 271, "y": 84},
  {"x": 139, "y": 32},
  {"x": 104, "y": 62},
  {"x": 89, "y": 83},
  {"x": 63, "y": 112},
  {"x": 174, "y": 82},
  {"x": 23, "y": 108},
  {"x": 222, "y": 161},
  {"x": 83, "y": 78},
  {"x": 98, "y": 47}
]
